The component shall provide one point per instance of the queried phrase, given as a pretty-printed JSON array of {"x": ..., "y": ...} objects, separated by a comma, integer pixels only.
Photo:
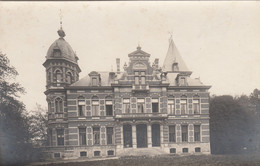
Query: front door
[{"x": 141, "y": 135}]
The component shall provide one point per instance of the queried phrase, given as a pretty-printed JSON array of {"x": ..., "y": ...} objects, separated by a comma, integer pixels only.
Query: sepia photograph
[{"x": 130, "y": 83}]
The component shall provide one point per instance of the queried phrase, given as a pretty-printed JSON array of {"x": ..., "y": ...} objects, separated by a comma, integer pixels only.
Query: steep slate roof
[
  {"x": 173, "y": 56},
  {"x": 65, "y": 48},
  {"x": 86, "y": 81}
]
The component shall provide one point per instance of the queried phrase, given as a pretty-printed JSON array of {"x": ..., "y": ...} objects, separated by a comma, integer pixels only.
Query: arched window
[
  {"x": 68, "y": 77},
  {"x": 58, "y": 105},
  {"x": 58, "y": 76}
]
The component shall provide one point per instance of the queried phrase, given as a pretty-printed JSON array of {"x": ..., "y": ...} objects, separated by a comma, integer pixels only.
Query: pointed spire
[
  {"x": 61, "y": 33},
  {"x": 173, "y": 60}
]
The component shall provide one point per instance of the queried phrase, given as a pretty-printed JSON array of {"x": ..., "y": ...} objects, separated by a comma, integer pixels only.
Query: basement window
[
  {"x": 56, "y": 155},
  {"x": 197, "y": 150},
  {"x": 96, "y": 153},
  {"x": 173, "y": 150},
  {"x": 83, "y": 154},
  {"x": 110, "y": 153},
  {"x": 185, "y": 150}
]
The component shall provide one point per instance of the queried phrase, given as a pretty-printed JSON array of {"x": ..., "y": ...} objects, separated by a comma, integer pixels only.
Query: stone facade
[{"x": 145, "y": 109}]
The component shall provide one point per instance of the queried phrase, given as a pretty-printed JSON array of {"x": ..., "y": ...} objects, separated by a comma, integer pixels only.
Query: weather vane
[{"x": 60, "y": 19}]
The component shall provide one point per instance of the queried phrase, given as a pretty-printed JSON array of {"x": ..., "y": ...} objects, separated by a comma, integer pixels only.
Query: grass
[{"x": 192, "y": 160}]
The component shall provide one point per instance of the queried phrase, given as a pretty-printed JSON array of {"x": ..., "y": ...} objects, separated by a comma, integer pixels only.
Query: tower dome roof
[{"x": 62, "y": 46}]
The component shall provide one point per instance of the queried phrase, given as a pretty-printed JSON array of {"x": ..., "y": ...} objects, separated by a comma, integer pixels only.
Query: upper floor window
[
  {"x": 96, "y": 135},
  {"x": 140, "y": 77},
  {"x": 95, "y": 106},
  {"x": 49, "y": 107},
  {"x": 155, "y": 105},
  {"x": 81, "y": 106},
  {"x": 183, "y": 106},
  {"x": 109, "y": 107},
  {"x": 82, "y": 136},
  {"x": 171, "y": 106},
  {"x": 69, "y": 77},
  {"x": 196, "y": 106},
  {"x": 58, "y": 105},
  {"x": 126, "y": 106},
  {"x": 140, "y": 105},
  {"x": 60, "y": 137},
  {"x": 58, "y": 76},
  {"x": 49, "y": 76}
]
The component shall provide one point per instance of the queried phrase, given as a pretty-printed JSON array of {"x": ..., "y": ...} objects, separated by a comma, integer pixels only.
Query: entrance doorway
[
  {"x": 127, "y": 134},
  {"x": 156, "y": 135},
  {"x": 141, "y": 135}
]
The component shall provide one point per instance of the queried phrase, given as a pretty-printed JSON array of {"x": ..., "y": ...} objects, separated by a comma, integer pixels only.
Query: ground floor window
[
  {"x": 60, "y": 137},
  {"x": 110, "y": 153},
  {"x": 83, "y": 154},
  {"x": 184, "y": 131},
  {"x": 56, "y": 155},
  {"x": 96, "y": 135},
  {"x": 172, "y": 150},
  {"x": 172, "y": 135},
  {"x": 82, "y": 136},
  {"x": 110, "y": 133},
  {"x": 185, "y": 150}
]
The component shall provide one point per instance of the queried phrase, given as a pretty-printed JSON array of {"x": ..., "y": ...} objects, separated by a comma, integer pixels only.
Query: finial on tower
[
  {"x": 170, "y": 39},
  {"x": 138, "y": 47},
  {"x": 61, "y": 33}
]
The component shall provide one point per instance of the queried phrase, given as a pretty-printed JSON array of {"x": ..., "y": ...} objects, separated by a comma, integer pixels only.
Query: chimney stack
[{"x": 118, "y": 65}]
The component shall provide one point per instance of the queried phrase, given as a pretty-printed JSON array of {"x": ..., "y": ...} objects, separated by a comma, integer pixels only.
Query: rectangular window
[
  {"x": 136, "y": 73},
  {"x": 183, "y": 106},
  {"x": 95, "y": 108},
  {"x": 94, "y": 81},
  {"x": 172, "y": 135},
  {"x": 60, "y": 137},
  {"x": 109, "y": 108},
  {"x": 96, "y": 135},
  {"x": 96, "y": 153},
  {"x": 110, "y": 133},
  {"x": 196, "y": 106},
  {"x": 81, "y": 105},
  {"x": 126, "y": 106},
  {"x": 82, "y": 136},
  {"x": 143, "y": 80},
  {"x": 171, "y": 106},
  {"x": 185, "y": 150},
  {"x": 182, "y": 81},
  {"x": 196, "y": 132},
  {"x": 136, "y": 80},
  {"x": 142, "y": 73},
  {"x": 184, "y": 133},
  {"x": 140, "y": 105},
  {"x": 155, "y": 105}
]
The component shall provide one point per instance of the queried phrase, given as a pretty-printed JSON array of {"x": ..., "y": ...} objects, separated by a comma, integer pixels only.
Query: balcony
[
  {"x": 57, "y": 116},
  {"x": 140, "y": 88},
  {"x": 142, "y": 116}
]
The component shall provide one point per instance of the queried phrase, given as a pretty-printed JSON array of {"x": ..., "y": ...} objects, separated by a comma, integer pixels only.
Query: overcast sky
[{"x": 219, "y": 41}]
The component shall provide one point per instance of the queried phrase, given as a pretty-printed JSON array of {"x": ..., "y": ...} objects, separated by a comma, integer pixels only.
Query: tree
[
  {"x": 232, "y": 124},
  {"x": 15, "y": 136},
  {"x": 38, "y": 125}
]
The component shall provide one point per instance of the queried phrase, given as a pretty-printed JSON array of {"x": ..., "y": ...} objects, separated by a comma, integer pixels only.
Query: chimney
[{"x": 118, "y": 65}]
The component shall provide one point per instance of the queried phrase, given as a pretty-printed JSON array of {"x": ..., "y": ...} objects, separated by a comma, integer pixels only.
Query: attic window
[
  {"x": 56, "y": 52},
  {"x": 182, "y": 81},
  {"x": 94, "y": 81},
  {"x": 175, "y": 67}
]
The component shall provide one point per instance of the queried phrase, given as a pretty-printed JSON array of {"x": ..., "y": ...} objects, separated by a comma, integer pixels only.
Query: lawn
[{"x": 193, "y": 160}]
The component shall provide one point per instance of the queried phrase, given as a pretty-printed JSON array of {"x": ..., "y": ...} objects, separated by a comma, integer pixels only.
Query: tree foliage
[
  {"x": 15, "y": 136},
  {"x": 232, "y": 125}
]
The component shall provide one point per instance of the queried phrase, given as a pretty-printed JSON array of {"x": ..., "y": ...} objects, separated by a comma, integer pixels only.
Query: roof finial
[
  {"x": 138, "y": 47},
  {"x": 170, "y": 39},
  {"x": 60, "y": 31}
]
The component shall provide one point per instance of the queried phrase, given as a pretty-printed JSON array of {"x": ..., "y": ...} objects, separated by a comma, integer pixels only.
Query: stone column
[
  {"x": 149, "y": 135},
  {"x": 134, "y": 135}
]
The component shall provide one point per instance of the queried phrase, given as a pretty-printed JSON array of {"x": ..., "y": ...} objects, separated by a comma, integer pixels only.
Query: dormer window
[
  {"x": 95, "y": 78},
  {"x": 175, "y": 67},
  {"x": 56, "y": 52},
  {"x": 94, "y": 81},
  {"x": 139, "y": 77}
]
